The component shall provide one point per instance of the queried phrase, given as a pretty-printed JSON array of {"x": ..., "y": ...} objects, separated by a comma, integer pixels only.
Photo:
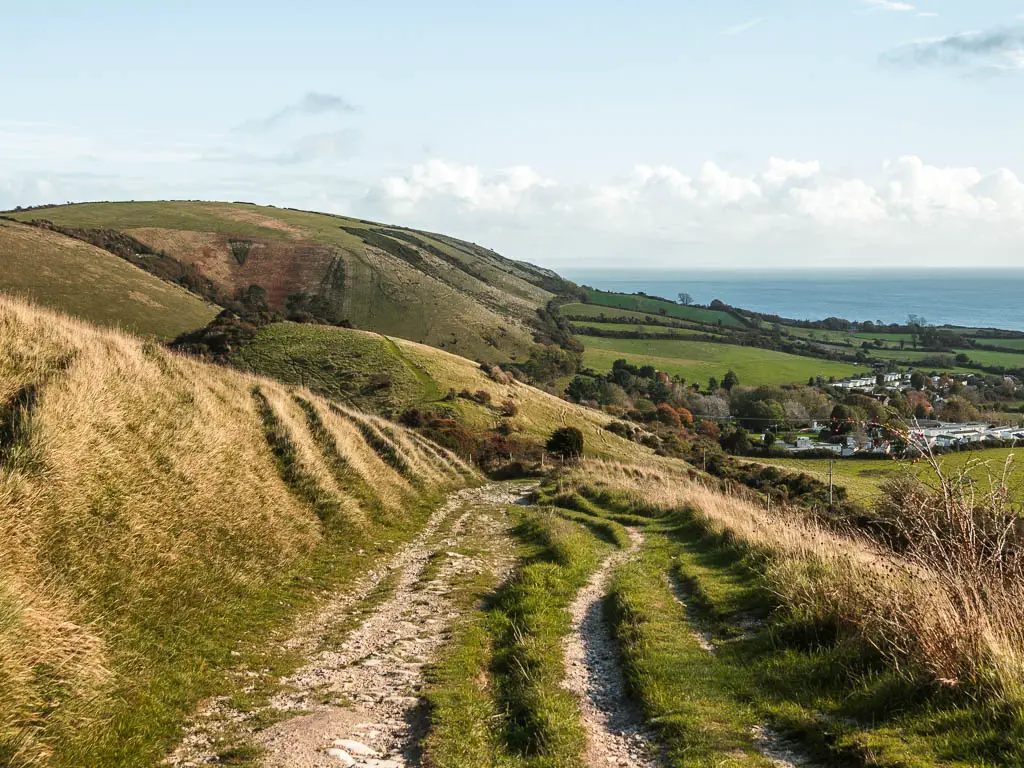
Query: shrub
[
  {"x": 709, "y": 429},
  {"x": 412, "y": 417},
  {"x": 509, "y": 408},
  {"x": 566, "y": 442},
  {"x": 482, "y": 396},
  {"x": 667, "y": 415}
]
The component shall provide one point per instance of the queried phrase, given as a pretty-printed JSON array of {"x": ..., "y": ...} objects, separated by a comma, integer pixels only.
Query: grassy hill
[
  {"x": 388, "y": 374},
  {"x": 57, "y": 271},
  {"x": 427, "y": 287},
  {"x": 156, "y": 513}
]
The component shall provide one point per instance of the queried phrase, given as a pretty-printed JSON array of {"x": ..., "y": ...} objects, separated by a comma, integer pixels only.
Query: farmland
[
  {"x": 654, "y": 306},
  {"x": 863, "y": 477},
  {"x": 697, "y": 361}
]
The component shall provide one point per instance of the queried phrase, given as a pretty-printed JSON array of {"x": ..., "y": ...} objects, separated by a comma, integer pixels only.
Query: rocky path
[
  {"x": 357, "y": 704},
  {"x": 616, "y": 735}
]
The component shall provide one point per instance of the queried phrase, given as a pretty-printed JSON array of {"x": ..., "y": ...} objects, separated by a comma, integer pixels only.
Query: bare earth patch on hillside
[
  {"x": 356, "y": 702},
  {"x": 261, "y": 220}
]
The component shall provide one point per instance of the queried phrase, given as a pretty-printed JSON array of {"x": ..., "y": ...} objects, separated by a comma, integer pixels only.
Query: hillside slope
[
  {"x": 155, "y": 512},
  {"x": 430, "y": 288},
  {"x": 67, "y": 274},
  {"x": 388, "y": 375}
]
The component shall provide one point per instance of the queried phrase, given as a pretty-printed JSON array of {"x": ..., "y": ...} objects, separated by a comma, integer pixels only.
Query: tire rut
[
  {"x": 375, "y": 674},
  {"x": 616, "y": 733}
]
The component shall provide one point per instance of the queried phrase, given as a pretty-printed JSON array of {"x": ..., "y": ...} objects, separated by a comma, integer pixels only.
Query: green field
[
  {"x": 581, "y": 326},
  {"x": 697, "y": 361},
  {"x": 862, "y": 477},
  {"x": 1004, "y": 359},
  {"x": 77, "y": 278},
  {"x": 655, "y": 307},
  {"x": 613, "y": 314},
  {"x": 1007, "y": 343}
]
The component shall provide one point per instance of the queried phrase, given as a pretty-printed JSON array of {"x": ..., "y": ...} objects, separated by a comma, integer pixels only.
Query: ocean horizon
[{"x": 965, "y": 297}]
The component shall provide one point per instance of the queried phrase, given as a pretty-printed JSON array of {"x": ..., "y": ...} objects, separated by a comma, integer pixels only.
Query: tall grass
[
  {"x": 161, "y": 499},
  {"x": 945, "y": 609}
]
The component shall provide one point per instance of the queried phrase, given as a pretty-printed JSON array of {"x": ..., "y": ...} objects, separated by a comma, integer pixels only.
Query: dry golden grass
[
  {"x": 138, "y": 489},
  {"x": 945, "y": 611}
]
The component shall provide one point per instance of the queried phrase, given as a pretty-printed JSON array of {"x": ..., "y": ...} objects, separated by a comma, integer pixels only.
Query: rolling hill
[
  {"x": 387, "y": 375},
  {"x": 422, "y": 286},
  {"x": 155, "y": 512},
  {"x": 64, "y": 273}
]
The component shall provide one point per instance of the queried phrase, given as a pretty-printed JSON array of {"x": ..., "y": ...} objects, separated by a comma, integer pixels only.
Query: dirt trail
[
  {"x": 782, "y": 752},
  {"x": 616, "y": 735},
  {"x": 356, "y": 704}
]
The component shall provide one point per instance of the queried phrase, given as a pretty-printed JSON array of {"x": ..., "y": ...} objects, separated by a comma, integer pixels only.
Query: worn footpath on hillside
[
  {"x": 616, "y": 734},
  {"x": 356, "y": 703}
]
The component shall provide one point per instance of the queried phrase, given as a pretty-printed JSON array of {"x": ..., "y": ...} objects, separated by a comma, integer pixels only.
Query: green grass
[
  {"x": 1004, "y": 359},
  {"x": 597, "y": 313},
  {"x": 654, "y": 307},
  {"x": 497, "y": 699},
  {"x": 1007, "y": 343},
  {"x": 364, "y": 369},
  {"x": 81, "y": 280},
  {"x": 829, "y": 693},
  {"x": 581, "y": 327},
  {"x": 862, "y": 477},
  {"x": 697, "y": 361}
]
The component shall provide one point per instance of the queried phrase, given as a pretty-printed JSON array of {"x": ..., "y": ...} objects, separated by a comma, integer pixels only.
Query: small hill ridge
[{"x": 88, "y": 282}]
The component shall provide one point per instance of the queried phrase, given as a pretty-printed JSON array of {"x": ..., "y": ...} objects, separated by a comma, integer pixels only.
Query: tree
[
  {"x": 685, "y": 299},
  {"x": 667, "y": 415},
  {"x": 709, "y": 429},
  {"x": 737, "y": 441},
  {"x": 730, "y": 381},
  {"x": 566, "y": 442},
  {"x": 768, "y": 441},
  {"x": 842, "y": 422},
  {"x": 685, "y": 417},
  {"x": 917, "y": 380},
  {"x": 712, "y": 384}
]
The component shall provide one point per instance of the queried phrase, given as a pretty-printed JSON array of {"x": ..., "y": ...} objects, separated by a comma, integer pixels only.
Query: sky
[{"x": 733, "y": 134}]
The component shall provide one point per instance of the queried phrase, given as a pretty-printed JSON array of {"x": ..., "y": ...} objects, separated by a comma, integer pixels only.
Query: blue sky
[{"x": 802, "y": 133}]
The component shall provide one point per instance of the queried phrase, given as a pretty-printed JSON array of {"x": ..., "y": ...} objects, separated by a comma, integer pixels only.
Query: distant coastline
[{"x": 969, "y": 298}]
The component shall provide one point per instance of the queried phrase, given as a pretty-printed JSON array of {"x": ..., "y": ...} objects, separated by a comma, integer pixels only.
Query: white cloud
[
  {"x": 800, "y": 203},
  {"x": 888, "y": 5},
  {"x": 746, "y": 26}
]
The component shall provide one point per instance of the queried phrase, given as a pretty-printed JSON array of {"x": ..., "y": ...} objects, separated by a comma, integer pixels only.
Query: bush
[
  {"x": 566, "y": 442},
  {"x": 482, "y": 396},
  {"x": 412, "y": 417},
  {"x": 509, "y": 409},
  {"x": 667, "y": 415}
]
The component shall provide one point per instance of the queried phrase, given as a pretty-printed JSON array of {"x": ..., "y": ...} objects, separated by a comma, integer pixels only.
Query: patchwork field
[
  {"x": 697, "y": 361},
  {"x": 652, "y": 306}
]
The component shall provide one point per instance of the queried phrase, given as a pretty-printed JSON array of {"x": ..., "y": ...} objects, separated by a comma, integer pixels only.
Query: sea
[{"x": 969, "y": 298}]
